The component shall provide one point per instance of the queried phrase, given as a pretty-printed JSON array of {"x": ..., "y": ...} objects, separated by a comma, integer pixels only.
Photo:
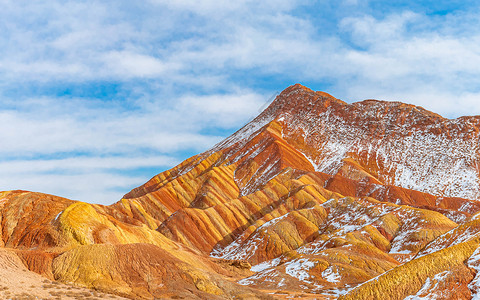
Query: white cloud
[
  {"x": 401, "y": 58},
  {"x": 446, "y": 103},
  {"x": 102, "y": 41},
  {"x": 93, "y": 179},
  {"x": 94, "y": 187},
  {"x": 367, "y": 30},
  {"x": 215, "y": 9},
  {"x": 188, "y": 67},
  {"x": 85, "y": 164},
  {"x": 127, "y": 64},
  {"x": 222, "y": 110},
  {"x": 108, "y": 141},
  {"x": 78, "y": 128}
]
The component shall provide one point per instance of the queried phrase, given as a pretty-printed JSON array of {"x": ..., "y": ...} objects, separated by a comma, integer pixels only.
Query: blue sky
[{"x": 96, "y": 97}]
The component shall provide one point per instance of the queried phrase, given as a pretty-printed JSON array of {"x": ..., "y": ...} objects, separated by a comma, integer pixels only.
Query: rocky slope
[
  {"x": 315, "y": 198},
  {"x": 17, "y": 282}
]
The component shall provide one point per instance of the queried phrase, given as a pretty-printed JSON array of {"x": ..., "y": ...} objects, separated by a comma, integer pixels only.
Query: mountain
[{"x": 314, "y": 198}]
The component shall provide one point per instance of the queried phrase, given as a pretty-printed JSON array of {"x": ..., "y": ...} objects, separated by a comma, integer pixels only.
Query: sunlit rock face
[
  {"x": 398, "y": 144},
  {"x": 315, "y": 198}
]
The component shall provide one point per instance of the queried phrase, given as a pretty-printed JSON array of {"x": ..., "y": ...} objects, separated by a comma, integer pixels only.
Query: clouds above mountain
[{"x": 91, "y": 83}]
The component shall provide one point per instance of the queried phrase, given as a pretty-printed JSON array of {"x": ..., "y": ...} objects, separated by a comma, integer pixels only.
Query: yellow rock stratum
[{"x": 314, "y": 199}]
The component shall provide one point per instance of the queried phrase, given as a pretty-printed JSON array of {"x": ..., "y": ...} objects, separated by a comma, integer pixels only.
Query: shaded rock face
[
  {"x": 141, "y": 271},
  {"x": 315, "y": 198},
  {"x": 16, "y": 282}
]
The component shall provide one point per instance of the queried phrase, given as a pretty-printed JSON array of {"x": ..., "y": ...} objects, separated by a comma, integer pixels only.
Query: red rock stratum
[{"x": 315, "y": 198}]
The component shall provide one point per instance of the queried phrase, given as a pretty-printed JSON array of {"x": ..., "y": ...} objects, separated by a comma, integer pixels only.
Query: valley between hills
[{"x": 313, "y": 199}]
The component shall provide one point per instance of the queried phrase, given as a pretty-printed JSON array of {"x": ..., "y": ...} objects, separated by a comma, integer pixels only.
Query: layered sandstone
[{"x": 315, "y": 198}]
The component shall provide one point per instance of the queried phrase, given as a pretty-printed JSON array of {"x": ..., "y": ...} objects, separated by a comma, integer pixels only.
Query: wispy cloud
[
  {"x": 43, "y": 148},
  {"x": 415, "y": 58},
  {"x": 93, "y": 93},
  {"x": 93, "y": 179}
]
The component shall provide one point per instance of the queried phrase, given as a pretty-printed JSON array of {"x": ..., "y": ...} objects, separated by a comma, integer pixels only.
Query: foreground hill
[{"x": 315, "y": 198}]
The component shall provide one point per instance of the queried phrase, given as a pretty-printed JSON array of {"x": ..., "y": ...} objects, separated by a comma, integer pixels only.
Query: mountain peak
[
  {"x": 297, "y": 87},
  {"x": 296, "y": 99},
  {"x": 403, "y": 144},
  {"x": 376, "y": 183}
]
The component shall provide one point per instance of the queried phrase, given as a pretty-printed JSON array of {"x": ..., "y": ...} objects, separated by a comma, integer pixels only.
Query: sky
[{"x": 96, "y": 97}]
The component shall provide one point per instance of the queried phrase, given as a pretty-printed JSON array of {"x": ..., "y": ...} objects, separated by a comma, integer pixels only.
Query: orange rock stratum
[{"x": 313, "y": 199}]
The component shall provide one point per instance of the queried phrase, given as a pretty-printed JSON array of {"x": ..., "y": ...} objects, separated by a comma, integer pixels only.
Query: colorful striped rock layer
[{"x": 314, "y": 199}]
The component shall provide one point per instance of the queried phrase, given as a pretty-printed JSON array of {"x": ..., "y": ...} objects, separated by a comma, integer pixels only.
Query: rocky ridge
[{"x": 315, "y": 198}]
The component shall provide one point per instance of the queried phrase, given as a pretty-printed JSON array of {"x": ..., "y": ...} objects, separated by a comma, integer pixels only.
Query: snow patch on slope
[
  {"x": 331, "y": 275},
  {"x": 269, "y": 275},
  {"x": 437, "y": 157},
  {"x": 243, "y": 135},
  {"x": 427, "y": 292},
  {"x": 243, "y": 247},
  {"x": 455, "y": 236},
  {"x": 474, "y": 263},
  {"x": 299, "y": 268},
  {"x": 266, "y": 265}
]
